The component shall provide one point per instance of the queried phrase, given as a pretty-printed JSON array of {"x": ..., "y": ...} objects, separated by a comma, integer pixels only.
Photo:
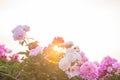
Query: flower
[
  {"x": 109, "y": 69},
  {"x": 59, "y": 55},
  {"x": 106, "y": 66},
  {"x": 89, "y": 70},
  {"x": 116, "y": 65},
  {"x": 73, "y": 71},
  {"x": 35, "y": 51},
  {"x": 64, "y": 64},
  {"x": 26, "y": 28},
  {"x": 73, "y": 54},
  {"x": 19, "y": 32},
  {"x": 16, "y": 56},
  {"x": 84, "y": 58},
  {"x": 58, "y": 40},
  {"x": 3, "y": 50}
]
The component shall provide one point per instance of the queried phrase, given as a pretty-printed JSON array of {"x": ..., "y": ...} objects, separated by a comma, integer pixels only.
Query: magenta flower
[
  {"x": 16, "y": 56},
  {"x": 89, "y": 71},
  {"x": 3, "y": 50},
  {"x": 106, "y": 66}
]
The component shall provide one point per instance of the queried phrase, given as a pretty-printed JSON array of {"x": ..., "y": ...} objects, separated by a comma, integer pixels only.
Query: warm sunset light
[
  {"x": 59, "y": 40},
  {"x": 59, "y": 49},
  {"x": 93, "y": 25}
]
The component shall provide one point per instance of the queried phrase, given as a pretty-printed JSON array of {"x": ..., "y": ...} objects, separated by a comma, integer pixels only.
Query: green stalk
[{"x": 4, "y": 75}]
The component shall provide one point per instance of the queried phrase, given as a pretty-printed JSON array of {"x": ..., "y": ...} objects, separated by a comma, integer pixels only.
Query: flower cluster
[
  {"x": 10, "y": 64},
  {"x": 60, "y": 60},
  {"x": 6, "y": 53},
  {"x": 75, "y": 63}
]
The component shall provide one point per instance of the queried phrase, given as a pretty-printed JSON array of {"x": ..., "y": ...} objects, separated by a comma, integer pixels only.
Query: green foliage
[
  {"x": 9, "y": 69},
  {"x": 37, "y": 68}
]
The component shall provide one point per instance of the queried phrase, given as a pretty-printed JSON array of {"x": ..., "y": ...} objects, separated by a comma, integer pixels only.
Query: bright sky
[{"x": 94, "y": 25}]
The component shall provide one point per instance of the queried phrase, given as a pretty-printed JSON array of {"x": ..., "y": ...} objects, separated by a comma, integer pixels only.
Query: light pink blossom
[
  {"x": 26, "y": 28},
  {"x": 64, "y": 64},
  {"x": 35, "y": 51},
  {"x": 73, "y": 71},
  {"x": 89, "y": 70},
  {"x": 19, "y": 34}
]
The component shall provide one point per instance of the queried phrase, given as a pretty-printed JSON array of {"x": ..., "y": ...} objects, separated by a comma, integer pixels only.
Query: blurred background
[{"x": 93, "y": 25}]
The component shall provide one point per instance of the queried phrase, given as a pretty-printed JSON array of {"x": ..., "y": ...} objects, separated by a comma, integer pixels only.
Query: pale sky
[{"x": 93, "y": 25}]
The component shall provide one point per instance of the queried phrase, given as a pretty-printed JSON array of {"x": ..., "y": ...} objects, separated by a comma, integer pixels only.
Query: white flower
[
  {"x": 74, "y": 71},
  {"x": 76, "y": 48},
  {"x": 34, "y": 52},
  {"x": 73, "y": 55},
  {"x": 64, "y": 64}
]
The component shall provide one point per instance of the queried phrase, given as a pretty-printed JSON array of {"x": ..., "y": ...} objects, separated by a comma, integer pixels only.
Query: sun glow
[
  {"x": 54, "y": 54},
  {"x": 59, "y": 49},
  {"x": 93, "y": 25}
]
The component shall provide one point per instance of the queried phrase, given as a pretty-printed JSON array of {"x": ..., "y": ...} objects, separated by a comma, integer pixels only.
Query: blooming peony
[
  {"x": 35, "y": 51},
  {"x": 89, "y": 71},
  {"x": 64, "y": 64},
  {"x": 73, "y": 54},
  {"x": 19, "y": 32}
]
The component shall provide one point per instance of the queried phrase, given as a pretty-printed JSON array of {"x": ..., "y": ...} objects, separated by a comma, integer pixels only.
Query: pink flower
[
  {"x": 107, "y": 66},
  {"x": 89, "y": 70},
  {"x": 116, "y": 65},
  {"x": 109, "y": 69},
  {"x": 26, "y": 28},
  {"x": 19, "y": 32},
  {"x": 16, "y": 56},
  {"x": 84, "y": 58},
  {"x": 3, "y": 50},
  {"x": 35, "y": 51}
]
